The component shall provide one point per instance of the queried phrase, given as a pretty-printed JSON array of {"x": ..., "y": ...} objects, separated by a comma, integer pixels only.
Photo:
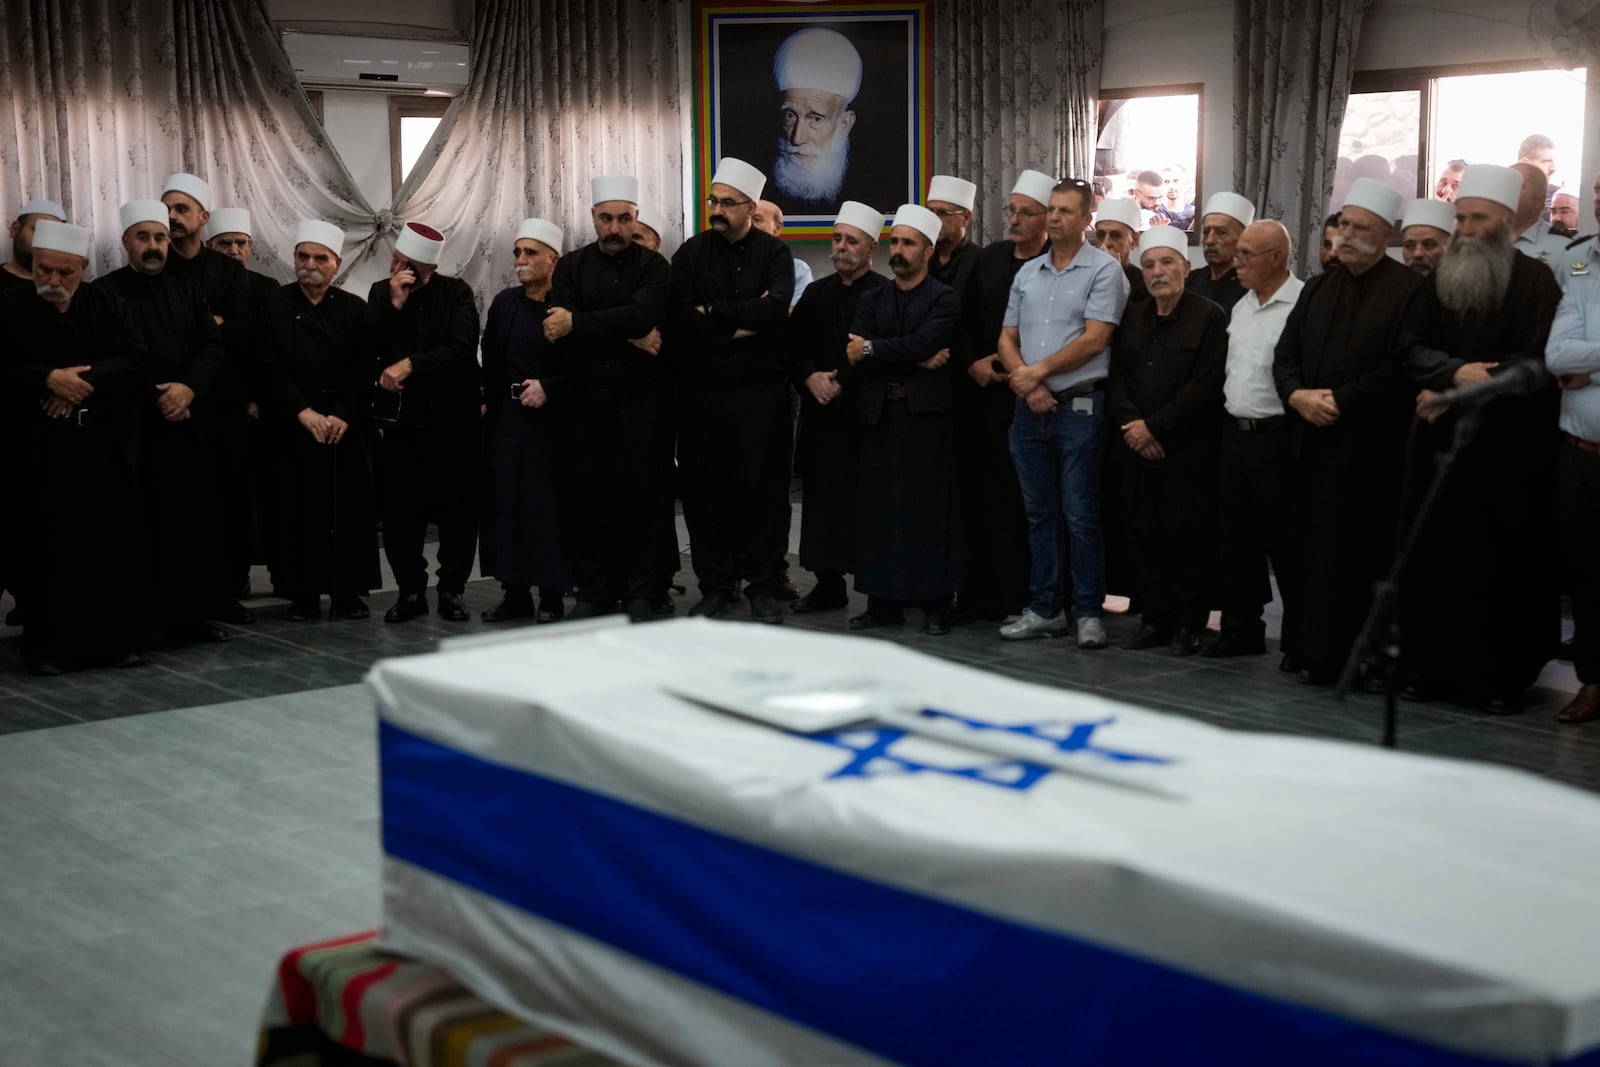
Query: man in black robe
[
  {"x": 423, "y": 328},
  {"x": 908, "y": 530},
  {"x": 521, "y": 542},
  {"x": 825, "y": 379},
  {"x": 1488, "y": 307},
  {"x": 1116, "y": 223},
  {"x": 729, "y": 316},
  {"x": 954, "y": 253},
  {"x": 1224, "y": 219},
  {"x": 606, "y": 302},
  {"x": 73, "y": 372},
  {"x": 316, "y": 374},
  {"x": 17, "y": 271},
  {"x": 1164, "y": 396},
  {"x": 185, "y": 361},
  {"x": 227, "y": 289},
  {"x": 233, "y": 235},
  {"x": 1337, "y": 367},
  {"x": 994, "y": 522}
]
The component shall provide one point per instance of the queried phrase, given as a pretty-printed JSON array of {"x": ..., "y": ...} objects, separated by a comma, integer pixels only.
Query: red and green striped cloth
[{"x": 343, "y": 1003}]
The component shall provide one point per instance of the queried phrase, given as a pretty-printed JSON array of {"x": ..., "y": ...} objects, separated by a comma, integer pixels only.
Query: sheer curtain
[
  {"x": 1293, "y": 63},
  {"x": 559, "y": 91},
  {"x": 1015, "y": 87},
  {"x": 105, "y": 98}
]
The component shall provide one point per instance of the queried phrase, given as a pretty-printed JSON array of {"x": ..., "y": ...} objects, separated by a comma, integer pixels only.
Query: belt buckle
[{"x": 78, "y": 415}]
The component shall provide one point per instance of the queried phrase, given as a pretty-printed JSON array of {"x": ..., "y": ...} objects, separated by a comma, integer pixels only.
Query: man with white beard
[
  {"x": 1489, "y": 307},
  {"x": 818, "y": 72}
]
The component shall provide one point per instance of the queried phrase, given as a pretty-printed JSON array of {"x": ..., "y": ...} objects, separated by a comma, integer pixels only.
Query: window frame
[
  {"x": 1194, "y": 89},
  {"x": 409, "y": 106}
]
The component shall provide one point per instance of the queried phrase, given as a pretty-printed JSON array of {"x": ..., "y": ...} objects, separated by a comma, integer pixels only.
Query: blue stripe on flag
[{"x": 910, "y": 978}]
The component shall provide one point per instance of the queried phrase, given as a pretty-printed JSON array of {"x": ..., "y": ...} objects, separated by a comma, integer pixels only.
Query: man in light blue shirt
[
  {"x": 1055, "y": 344},
  {"x": 1573, "y": 355}
]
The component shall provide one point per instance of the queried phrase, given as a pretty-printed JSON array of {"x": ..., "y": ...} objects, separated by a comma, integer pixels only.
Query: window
[
  {"x": 412, "y": 120},
  {"x": 1405, "y": 128},
  {"x": 1151, "y": 134}
]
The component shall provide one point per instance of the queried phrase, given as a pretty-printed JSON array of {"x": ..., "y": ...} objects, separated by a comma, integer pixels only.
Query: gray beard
[
  {"x": 1475, "y": 274},
  {"x": 794, "y": 180}
]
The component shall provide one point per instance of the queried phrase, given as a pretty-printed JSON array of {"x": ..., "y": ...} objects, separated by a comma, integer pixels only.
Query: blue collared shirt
[
  {"x": 1574, "y": 346},
  {"x": 1050, "y": 308}
]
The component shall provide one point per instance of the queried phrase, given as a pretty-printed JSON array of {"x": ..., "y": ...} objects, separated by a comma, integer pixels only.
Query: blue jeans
[{"x": 1058, "y": 458}]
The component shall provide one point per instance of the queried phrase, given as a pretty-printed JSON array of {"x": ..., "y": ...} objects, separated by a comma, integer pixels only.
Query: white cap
[
  {"x": 189, "y": 185},
  {"x": 43, "y": 207},
  {"x": 1035, "y": 185},
  {"x": 1500, "y": 184},
  {"x": 1232, "y": 205},
  {"x": 647, "y": 215},
  {"x": 420, "y": 243},
  {"x": 544, "y": 231},
  {"x": 1435, "y": 213},
  {"x": 918, "y": 218},
  {"x": 741, "y": 176},
  {"x": 614, "y": 187},
  {"x": 864, "y": 217},
  {"x": 1372, "y": 195},
  {"x": 230, "y": 220},
  {"x": 1164, "y": 237},
  {"x": 136, "y": 211},
  {"x": 52, "y": 236},
  {"x": 817, "y": 58},
  {"x": 317, "y": 232},
  {"x": 1121, "y": 210},
  {"x": 953, "y": 190}
]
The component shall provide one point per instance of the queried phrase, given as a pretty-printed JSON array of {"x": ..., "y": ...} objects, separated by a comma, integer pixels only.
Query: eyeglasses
[
  {"x": 949, "y": 212},
  {"x": 725, "y": 204},
  {"x": 1019, "y": 213}
]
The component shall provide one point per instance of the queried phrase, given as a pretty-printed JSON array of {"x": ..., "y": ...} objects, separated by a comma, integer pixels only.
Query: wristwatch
[{"x": 866, "y": 349}]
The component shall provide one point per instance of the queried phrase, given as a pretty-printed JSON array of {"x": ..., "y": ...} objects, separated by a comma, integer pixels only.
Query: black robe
[
  {"x": 1347, "y": 333},
  {"x": 995, "y": 522},
  {"x": 909, "y": 539},
  {"x": 828, "y": 454},
  {"x": 82, "y": 567},
  {"x": 8, "y": 446},
  {"x": 316, "y": 356},
  {"x": 956, "y": 272},
  {"x": 1224, "y": 292},
  {"x": 1136, "y": 287},
  {"x": 185, "y": 525},
  {"x": 1485, "y": 557},
  {"x": 521, "y": 542}
]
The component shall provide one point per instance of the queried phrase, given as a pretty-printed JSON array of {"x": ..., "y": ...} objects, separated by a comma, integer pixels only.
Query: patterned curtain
[
  {"x": 558, "y": 92},
  {"x": 104, "y": 98},
  {"x": 1293, "y": 63},
  {"x": 1015, "y": 87}
]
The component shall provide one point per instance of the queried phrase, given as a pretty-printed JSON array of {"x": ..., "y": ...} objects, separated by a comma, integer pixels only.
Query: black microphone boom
[{"x": 1522, "y": 377}]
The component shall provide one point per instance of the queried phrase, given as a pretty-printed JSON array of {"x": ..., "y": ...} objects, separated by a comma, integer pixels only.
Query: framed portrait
[{"x": 831, "y": 101}]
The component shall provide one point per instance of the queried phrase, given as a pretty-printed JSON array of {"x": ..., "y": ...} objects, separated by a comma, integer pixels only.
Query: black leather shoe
[
  {"x": 1185, "y": 642},
  {"x": 785, "y": 591},
  {"x": 236, "y": 613},
  {"x": 820, "y": 599},
  {"x": 1318, "y": 675},
  {"x": 639, "y": 610},
  {"x": 551, "y": 609},
  {"x": 511, "y": 606},
  {"x": 405, "y": 609},
  {"x": 1287, "y": 664},
  {"x": 353, "y": 607},
  {"x": 936, "y": 623},
  {"x": 663, "y": 607},
  {"x": 764, "y": 607},
  {"x": 45, "y": 668},
  {"x": 127, "y": 660},
  {"x": 713, "y": 605},
  {"x": 451, "y": 608},
  {"x": 1232, "y": 643},
  {"x": 201, "y": 632},
  {"x": 1146, "y": 636},
  {"x": 871, "y": 620},
  {"x": 304, "y": 610},
  {"x": 591, "y": 609}
]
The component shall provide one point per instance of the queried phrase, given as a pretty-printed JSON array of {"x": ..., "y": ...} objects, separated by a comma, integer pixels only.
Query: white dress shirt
[{"x": 1248, "y": 390}]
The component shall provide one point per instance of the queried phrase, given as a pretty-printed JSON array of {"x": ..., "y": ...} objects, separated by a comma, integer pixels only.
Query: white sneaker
[
  {"x": 1034, "y": 625},
  {"x": 1091, "y": 633}
]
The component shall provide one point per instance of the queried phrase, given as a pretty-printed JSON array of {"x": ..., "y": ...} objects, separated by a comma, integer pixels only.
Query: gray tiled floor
[{"x": 154, "y": 863}]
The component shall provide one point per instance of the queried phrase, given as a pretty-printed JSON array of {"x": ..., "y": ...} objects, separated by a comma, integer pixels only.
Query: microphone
[{"x": 1519, "y": 379}]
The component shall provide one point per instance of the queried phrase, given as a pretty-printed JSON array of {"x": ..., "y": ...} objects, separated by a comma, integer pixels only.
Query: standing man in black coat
[{"x": 423, "y": 329}]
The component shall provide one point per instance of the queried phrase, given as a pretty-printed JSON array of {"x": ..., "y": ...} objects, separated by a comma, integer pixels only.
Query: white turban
[{"x": 821, "y": 59}]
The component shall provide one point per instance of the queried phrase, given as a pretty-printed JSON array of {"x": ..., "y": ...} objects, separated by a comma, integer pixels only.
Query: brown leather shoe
[{"x": 1585, "y": 707}]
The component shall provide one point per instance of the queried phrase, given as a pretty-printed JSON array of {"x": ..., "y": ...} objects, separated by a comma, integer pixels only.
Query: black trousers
[
  {"x": 615, "y": 478},
  {"x": 1252, "y": 522},
  {"x": 1169, "y": 519},
  {"x": 734, "y": 449},
  {"x": 423, "y": 481},
  {"x": 1579, "y": 516}
]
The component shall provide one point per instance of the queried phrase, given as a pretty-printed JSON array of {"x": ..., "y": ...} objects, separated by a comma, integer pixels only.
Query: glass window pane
[
  {"x": 1381, "y": 138},
  {"x": 415, "y": 133},
  {"x": 1151, "y": 135}
]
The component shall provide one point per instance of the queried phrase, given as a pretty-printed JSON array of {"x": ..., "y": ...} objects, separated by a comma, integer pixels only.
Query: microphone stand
[{"x": 1379, "y": 642}]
